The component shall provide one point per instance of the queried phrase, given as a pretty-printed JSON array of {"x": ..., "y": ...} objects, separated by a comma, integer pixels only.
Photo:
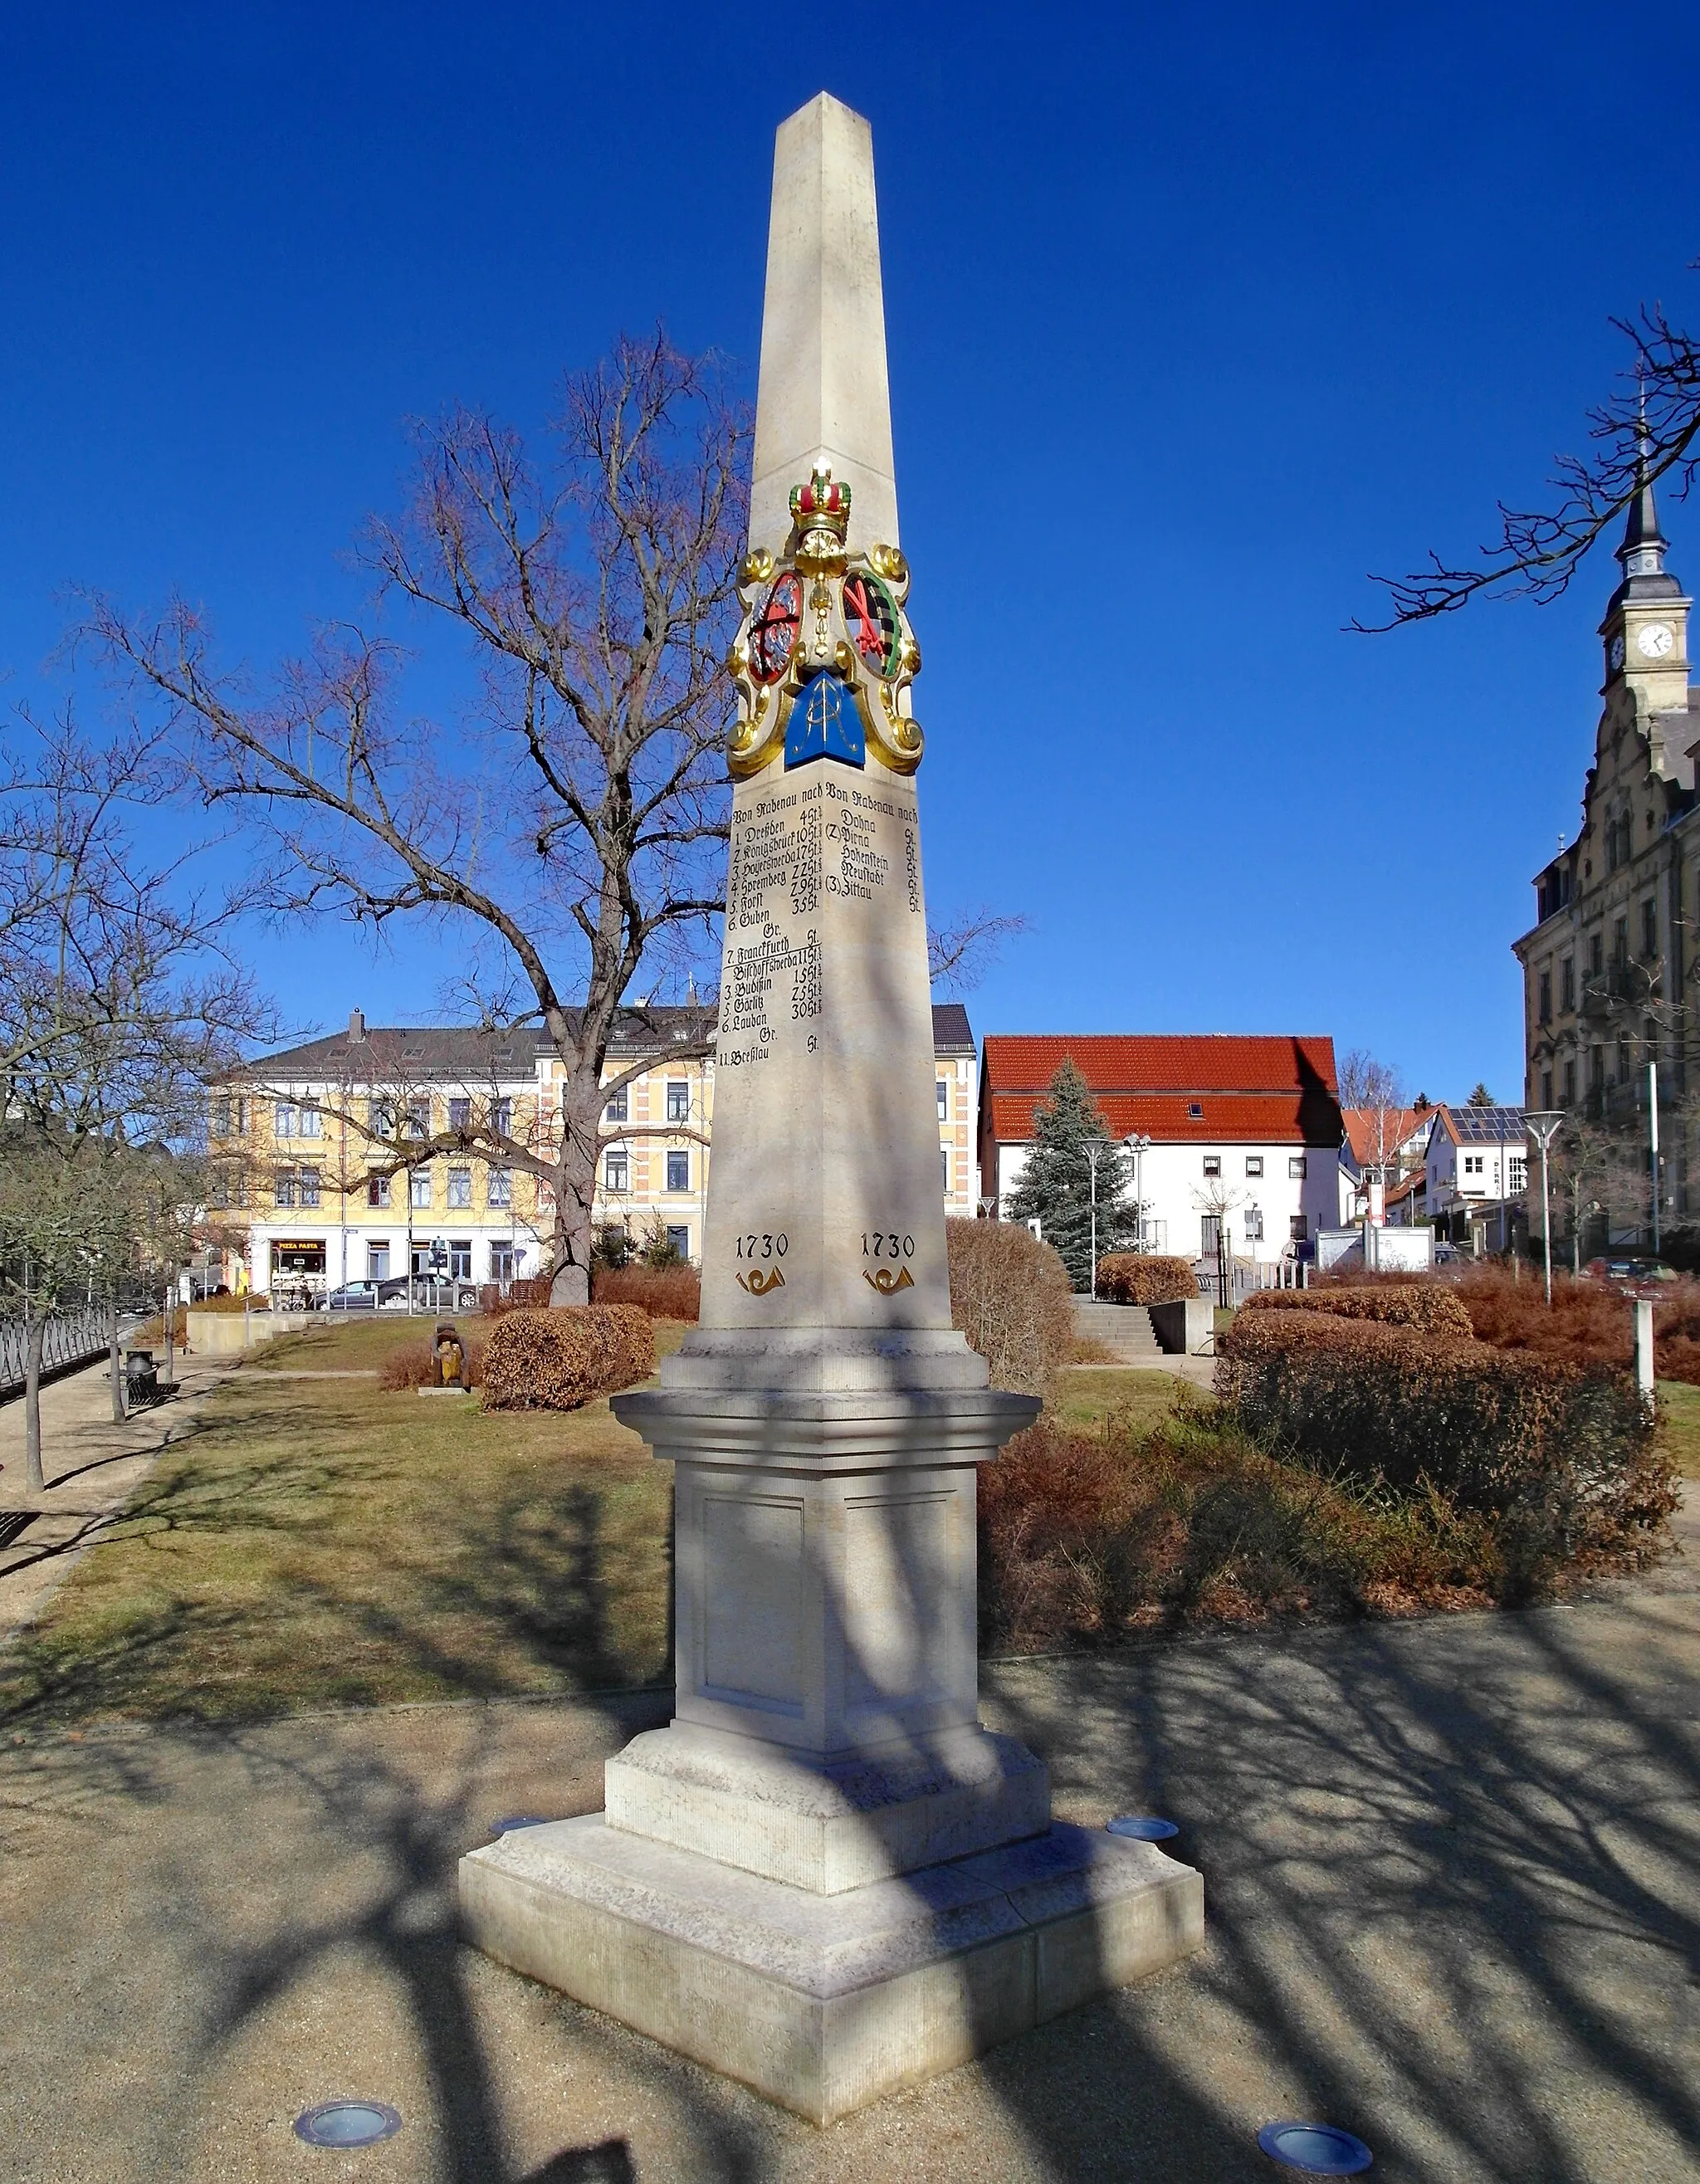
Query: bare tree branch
[{"x": 1648, "y": 429}]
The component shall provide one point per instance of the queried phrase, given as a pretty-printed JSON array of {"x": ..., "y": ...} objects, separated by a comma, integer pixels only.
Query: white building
[
  {"x": 1242, "y": 1129},
  {"x": 1477, "y": 1163}
]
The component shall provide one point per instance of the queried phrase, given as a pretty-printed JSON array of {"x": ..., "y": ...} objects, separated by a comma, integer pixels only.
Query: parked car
[
  {"x": 431, "y": 1293},
  {"x": 354, "y": 1297},
  {"x": 1636, "y": 1277}
]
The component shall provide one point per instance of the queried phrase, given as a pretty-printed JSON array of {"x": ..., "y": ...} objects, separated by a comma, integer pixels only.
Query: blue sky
[{"x": 1196, "y": 316}]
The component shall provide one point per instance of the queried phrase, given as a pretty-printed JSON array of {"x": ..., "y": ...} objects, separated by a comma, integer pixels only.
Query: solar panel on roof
[{"x": 1477, "y": 1125}]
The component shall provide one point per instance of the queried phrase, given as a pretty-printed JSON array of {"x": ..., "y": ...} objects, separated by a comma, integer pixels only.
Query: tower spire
[{"x": 1642, "y": 551}]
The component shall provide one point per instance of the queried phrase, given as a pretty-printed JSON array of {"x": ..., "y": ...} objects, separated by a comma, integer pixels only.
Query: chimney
[{"x": 357, "y": 1026}]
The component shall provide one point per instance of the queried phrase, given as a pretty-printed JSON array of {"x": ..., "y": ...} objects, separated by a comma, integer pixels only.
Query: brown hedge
[
  {"x": 1134, "y": 1277},
  {"x": 414, "y": 1364},
  {"x": 1562, "y": 1459},
  {"x": 1011, "y": 1297},
  {"x": 664, "y": 1292},
  {"x": 1424, "y": 1305},
  {"x": 555, "y": 1359}
]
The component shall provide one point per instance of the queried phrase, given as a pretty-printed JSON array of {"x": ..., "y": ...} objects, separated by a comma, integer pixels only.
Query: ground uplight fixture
[
  {"x": 347, "y": 2123},
  {"x": 1143, "y": 1827},
  {"x": 1315, "y": 2149}
]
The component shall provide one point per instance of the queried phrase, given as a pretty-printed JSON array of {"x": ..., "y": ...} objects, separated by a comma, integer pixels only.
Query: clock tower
[{"x": 1645, "y": 628}]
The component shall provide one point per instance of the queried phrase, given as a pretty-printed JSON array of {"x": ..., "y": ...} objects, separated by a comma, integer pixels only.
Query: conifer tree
[{"x": 1056, "y": 1183}]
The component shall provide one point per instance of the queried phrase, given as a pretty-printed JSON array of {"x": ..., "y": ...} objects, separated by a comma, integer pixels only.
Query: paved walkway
[
  {"x": 1453, "y": 1869},
  {"x": 92, "y": 1466}
]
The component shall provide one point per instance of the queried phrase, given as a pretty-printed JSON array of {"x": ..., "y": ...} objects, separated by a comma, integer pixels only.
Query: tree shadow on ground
[{"x": 1450, "y": 1870}]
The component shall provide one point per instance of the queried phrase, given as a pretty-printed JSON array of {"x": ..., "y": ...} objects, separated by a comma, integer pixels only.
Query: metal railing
[{"x": 70, "y": 1338}]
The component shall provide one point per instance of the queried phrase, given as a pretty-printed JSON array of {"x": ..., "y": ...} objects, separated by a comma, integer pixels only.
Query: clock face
[
  {"x": 875, "y": 626},
  {"x": 1655, "y": 640},
  {"x": 773, "y": 633},
  {"x": 1617, "y": 651}
]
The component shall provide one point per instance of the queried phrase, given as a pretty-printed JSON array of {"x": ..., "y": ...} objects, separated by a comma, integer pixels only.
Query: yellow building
[{"x": 300, "y": 1141}]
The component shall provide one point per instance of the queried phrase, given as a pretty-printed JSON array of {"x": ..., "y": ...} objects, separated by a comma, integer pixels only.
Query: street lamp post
[
  {"x": 1094, "y": 1153},
  {"x": 1138, "y": 1143},
  {"x": 1543, "y": 1129}
]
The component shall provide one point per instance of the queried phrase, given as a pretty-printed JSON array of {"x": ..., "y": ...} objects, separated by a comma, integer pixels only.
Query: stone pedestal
[{"x": 825, "y": 1878}]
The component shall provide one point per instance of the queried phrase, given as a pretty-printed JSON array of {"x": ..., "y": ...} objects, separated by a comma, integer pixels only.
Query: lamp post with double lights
[
  {"x": 1543, "y": 1128},
  {"x": 1138, "y": 1145}
]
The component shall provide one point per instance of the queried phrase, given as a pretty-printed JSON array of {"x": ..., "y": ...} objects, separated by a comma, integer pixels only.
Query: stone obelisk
[{"x": 825, "y": 1878}]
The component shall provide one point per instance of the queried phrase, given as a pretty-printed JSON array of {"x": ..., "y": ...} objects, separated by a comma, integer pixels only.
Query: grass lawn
[
  {"x": 320, "y": 1543},
  {"x": 1084, "y": 1397}
]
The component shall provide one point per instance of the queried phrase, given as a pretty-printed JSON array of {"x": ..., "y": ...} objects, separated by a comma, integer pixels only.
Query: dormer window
[{"x": 1195, "y": 1112}]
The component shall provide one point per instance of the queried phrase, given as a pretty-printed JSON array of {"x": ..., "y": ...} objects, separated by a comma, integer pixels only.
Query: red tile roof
[{"x": 1252, "y": 1089}]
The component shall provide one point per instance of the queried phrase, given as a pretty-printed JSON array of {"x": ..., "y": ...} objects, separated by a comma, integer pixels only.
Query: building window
[
  {"x": 310, "y": 1186},
  {"x": 1544, "y": 1007},
  {"x": 1596, "y": 1068},
  {"x": 502, "y": 1117},
  {"x": 945, "y": 1170},
  {"x": 1297, "y": 1166},
  {"x": 381, "y": 1118},
  {"x": 1596, "y": 953},
  {"x": 461, "y": 1262},
  {"x": 1212, "y": 1163},
  {"x": 944, "y": 1101},
  {"x": 1254, "y": 1224},
  {"x": 419, "y": 1187},
  {"x": 1298, "y": 1228},
  {"x": 460, "y": 1186},
  {"x": 498, "y": 1187},
  {"x": 459, "y": 1114},
  {"x": 378, "y": 1263},
  {"x": 1518, "y": 1167},
  {"x": 1472, "y": 1163},
  {"x": 1620, "y": 942},
  {"x": 1567, "y": 982},
  {"x": 1649, "y": 927},
  {"x": 283, "y": 1187},
  {"x": 1570, "y": 1084},
  {"x": 1195, "y": 1112},
  {"x": 230, "y": 1117},
  {"x": 1254, "y": 1163},
  {"x": 419, "y": 1118},
  {"x": 617, "y": 1170},
  {"x": 678, "y": 1171},
  {"x": 501, "y": 1263},
  {"x": 1546, "y": 1091},
  {"x": 308, "y": 1123},
  {"x": 283, "y": 1119},
  {"x": 377, "y": 1191},
  {"x": 680, "y": 1238},
  {"x": 678, "y": 1101},
  {"x": 619, "y": 1107}
]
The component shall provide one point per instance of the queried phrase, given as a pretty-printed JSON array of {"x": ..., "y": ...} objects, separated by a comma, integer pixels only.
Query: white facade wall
[{"x": 1257, "y": 1180}]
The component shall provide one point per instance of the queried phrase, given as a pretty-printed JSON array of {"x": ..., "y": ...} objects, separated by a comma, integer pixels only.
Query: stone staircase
[{"x": 1124, "y": 1329}]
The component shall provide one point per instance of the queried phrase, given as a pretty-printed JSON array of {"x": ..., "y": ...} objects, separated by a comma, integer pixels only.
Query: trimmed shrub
[
  {"x": 1425, "y": 1306},
  {"x": 1132, "y": 1277},
  {"x": 554, "y": 1360},
  {"x": 231, "y": 1302},
  {"x": 1085, "y": 1539},
  {"x": 1590, "y": 1322},
  {"x": 663, "y": 1292},
  {"x": 1011, "y": 1297},
  {"x": 1561, "y": 1460}
]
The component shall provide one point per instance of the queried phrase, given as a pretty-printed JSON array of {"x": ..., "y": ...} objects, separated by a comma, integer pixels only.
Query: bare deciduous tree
[
  {"x": 1648, "y": 430},
  {"x": 570, "y": 830},
  {"x": 118, "y": 998}
]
